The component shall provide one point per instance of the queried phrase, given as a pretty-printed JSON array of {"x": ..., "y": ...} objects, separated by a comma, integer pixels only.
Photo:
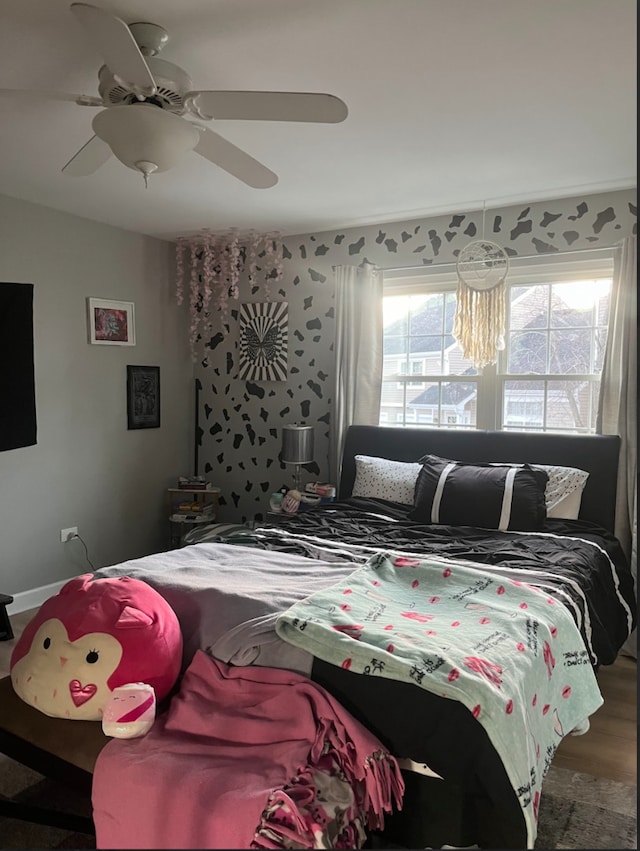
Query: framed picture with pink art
[{"x": 111, "y": 323}]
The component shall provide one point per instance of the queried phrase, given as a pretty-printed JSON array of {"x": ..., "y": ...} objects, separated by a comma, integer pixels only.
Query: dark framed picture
[{"x": 143, "y": 396}]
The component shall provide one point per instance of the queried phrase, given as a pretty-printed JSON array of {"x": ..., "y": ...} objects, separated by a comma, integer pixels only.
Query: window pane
[
  {"x": 427, "y": 351},
  {"x": 392, "y": 395},
  {"x": 426, "y": 314},
  {"x": 569, "y": 405},
  {"x": 395, "y": 311},
  {"x": 571, "y": 305},
  {"x": 599, "y": 343},
  {"x": 602, "y": 306},
  {"x": 527, "y": 352},
  {"x": 570, "y": 351},
  {"x": 449, "y": 312},
  {"x": 523, "y": 405},
  {"x": 529, "y": 307},
  {"x": 579, "y": 303}
]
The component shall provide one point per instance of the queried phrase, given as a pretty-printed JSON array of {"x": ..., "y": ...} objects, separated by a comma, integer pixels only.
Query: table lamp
[{"x": 297, "y": 448}]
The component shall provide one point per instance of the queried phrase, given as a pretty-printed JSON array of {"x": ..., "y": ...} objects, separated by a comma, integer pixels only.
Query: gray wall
[
  {"x": 87, "y": 469},
  {"x": 241, "y": 421}
]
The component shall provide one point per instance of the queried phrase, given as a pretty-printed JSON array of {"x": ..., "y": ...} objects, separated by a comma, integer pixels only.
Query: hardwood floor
[
  {"x": 18, "y": 622},
  {"x": 608, "y": 749}
]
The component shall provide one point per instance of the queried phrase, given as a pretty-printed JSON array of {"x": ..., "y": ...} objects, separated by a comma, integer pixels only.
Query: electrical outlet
[{"x": 68, "y": 534}]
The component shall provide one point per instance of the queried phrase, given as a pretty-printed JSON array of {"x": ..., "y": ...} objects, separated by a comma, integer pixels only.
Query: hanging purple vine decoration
[
  {"x": 222, "y": 278},
  {"x": 278, "y": 256},
  {"x": 180, "y": 269},
  {"x": 194, "y": 295},
  {"x": 208, "y": 275},
  {"x": 234, "y": 264},
  {"x": 268, "y": 263},
  {"x": 217, "y": 262},
  {"x": 252, "y": 252}
]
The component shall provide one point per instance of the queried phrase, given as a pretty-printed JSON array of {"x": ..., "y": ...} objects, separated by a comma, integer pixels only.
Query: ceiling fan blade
[
  {"x": 118, "y": 47},
  {"x": 88, "y": 159},
  {"x": 34, "y": 94},
  {"x": 234, "y": 160},
  {"x": 268, "y": 106}
]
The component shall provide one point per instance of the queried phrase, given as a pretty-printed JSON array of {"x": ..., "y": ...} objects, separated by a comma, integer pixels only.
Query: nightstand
[{"x": 189, "y": 507}]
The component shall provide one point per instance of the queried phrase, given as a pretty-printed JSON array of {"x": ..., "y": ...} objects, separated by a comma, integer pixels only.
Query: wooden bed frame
[{"x": 68, "y": 753}]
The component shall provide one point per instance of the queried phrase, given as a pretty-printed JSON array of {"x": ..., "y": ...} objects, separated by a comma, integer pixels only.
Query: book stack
[
  {"x": 193, "y": 512},
  {"x": 193, "y": 483}
]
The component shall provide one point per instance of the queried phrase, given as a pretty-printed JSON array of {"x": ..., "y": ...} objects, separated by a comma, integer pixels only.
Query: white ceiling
[{"x": 452, "y": 104}]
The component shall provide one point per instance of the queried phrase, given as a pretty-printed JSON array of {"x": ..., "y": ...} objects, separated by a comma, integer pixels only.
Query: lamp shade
[
  {"x": 143, "y": 133},
  {"x": 297, "y": 444}
]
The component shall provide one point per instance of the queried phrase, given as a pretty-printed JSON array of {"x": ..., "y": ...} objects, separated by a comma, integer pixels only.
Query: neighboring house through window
[{"x": 546, "y": 379}]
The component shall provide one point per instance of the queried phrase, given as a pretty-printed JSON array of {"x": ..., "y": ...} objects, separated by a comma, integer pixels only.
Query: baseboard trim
[{"x": 35, "y": 597}]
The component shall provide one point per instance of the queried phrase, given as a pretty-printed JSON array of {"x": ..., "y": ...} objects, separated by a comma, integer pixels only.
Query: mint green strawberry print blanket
[{"x": 508, "y": 651}]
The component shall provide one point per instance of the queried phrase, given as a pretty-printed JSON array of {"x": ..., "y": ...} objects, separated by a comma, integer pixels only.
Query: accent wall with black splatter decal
[{"x": 240, "y": 421}]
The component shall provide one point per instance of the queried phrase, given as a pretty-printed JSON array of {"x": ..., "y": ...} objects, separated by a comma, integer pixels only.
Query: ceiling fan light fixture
[
  {"x": 144, "y": 137},
  {"x": 147, "y": 169}
]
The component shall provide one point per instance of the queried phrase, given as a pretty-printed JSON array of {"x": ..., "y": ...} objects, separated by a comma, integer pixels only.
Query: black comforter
[{"x": 579, "y": 563}]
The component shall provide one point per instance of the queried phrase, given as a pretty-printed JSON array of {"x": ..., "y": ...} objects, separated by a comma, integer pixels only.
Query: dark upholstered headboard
[{"x": 595, "y": 453}]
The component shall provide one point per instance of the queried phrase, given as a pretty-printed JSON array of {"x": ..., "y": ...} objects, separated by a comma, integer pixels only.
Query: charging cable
[{"x": 86, "y": 551}]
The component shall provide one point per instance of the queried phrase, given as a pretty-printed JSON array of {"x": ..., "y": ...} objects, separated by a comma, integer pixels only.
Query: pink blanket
[{"x": 245, "y": 758}]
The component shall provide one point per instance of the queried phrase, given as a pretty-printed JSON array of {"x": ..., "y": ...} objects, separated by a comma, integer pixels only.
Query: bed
[
  {"x": 472, "y": 800},
  {"x": 239, "y": 601}
]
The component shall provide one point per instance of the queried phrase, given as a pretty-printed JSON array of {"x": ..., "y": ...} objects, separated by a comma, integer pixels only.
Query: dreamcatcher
[{"x": 478, "y": 324}]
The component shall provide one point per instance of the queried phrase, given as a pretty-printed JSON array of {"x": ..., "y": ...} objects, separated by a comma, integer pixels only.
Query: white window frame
[{"x": 525, "y": 271}]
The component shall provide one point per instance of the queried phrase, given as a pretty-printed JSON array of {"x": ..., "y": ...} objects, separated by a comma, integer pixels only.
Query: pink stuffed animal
[
  {"x": 130, "y": 711},
  {"x": 92, "y": 637}
]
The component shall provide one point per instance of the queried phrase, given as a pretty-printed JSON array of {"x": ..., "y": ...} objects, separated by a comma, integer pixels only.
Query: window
[{"x": 546, "y": 379}]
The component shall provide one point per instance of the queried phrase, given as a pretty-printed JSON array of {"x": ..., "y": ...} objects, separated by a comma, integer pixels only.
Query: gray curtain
[
  {"x": 358, "y": 355},
  {"x": 617, "y": 406}
]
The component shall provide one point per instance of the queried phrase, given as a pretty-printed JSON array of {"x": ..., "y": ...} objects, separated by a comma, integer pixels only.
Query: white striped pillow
[{"x": 490, "y": 496}]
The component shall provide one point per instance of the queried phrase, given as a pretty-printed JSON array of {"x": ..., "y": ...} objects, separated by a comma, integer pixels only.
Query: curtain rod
[{"x": 550, "y": 255}]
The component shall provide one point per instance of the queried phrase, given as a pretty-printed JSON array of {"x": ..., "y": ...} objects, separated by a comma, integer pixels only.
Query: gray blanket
[{"x": 215, "y": 589}]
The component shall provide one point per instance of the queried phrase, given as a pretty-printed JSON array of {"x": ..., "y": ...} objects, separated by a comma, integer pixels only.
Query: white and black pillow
[
  {"x": 382, "y": 478},
  {"x": 563, "y": 494},
  {"x": 455, "y": 493}
]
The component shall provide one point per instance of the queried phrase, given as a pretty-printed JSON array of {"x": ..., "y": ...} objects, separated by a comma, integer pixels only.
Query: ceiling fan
[{"x": 151, "y": 114}]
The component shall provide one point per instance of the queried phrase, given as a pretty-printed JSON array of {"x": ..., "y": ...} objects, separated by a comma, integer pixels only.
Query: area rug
[
  {"x": 581, "y": 811},
  {"x": 21, "y": 784},
  {"x": 577, "y": 811}
]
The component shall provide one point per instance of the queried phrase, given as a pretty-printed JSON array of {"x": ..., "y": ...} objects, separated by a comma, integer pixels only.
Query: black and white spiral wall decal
[{"x": 264, "y": 333}]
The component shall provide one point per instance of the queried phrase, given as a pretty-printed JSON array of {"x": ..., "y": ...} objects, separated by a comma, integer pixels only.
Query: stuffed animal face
[
  {"x": 63, "y": 678},
  {"x": 92, "y": 637}
]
